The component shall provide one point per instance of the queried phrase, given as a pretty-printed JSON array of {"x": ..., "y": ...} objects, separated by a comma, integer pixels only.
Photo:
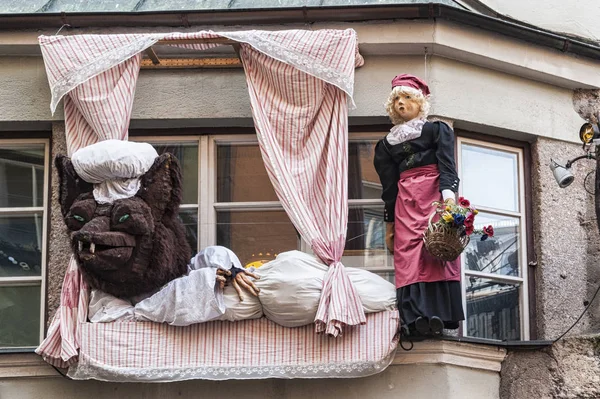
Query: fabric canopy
[{"x": 300, "y": 85}]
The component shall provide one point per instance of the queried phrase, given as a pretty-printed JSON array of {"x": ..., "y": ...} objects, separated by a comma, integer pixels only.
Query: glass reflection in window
[
  {"x": 20, "y": 245},
  {"x": 256, "y": 236},
  {"x": 498, "y": 255},
  {"x": 492, "y": 309},
  {"x": 363, "y": 181},
  {"x": 187, "y": 155},
  {"x": 490, "y": 177},
  {"x": 22, "y": 176},
  {"x": 241, "y": 175}
]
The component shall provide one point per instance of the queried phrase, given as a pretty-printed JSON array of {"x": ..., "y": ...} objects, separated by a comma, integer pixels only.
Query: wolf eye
[
  {"x": 79, "y": 218},
  {"x": 123, "y": 218}
]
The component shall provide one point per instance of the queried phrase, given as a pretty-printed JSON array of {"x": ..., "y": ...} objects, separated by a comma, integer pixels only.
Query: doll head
[{"x": 408, "y": 100}]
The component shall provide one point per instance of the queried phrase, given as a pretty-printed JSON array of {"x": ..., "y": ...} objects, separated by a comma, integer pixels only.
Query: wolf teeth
[
  {"x": 92, "y": 248},
  {"x": 80, "y": 246}
]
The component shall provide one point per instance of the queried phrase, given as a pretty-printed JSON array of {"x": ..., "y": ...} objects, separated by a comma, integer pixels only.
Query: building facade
[{"x": 507, "y": 90}]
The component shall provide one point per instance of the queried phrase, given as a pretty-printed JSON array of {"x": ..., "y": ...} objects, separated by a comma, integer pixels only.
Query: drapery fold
[
  {"x": 302, "y": 127},
  {"x": 300, "y": 85}
]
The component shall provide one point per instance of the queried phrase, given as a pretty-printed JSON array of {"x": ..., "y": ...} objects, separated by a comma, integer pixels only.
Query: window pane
[
  {"x": 19, "y": 316},
  {"x": 187, "y": 154},
  {"x": 365, "y": 239},
  {"x": 363, "y": 181},
  {"x": 20, "y": 245},
  {"x": 21, "y": 175},
  {"x": 258, "y": 235},
  {"x": 189, "y": 217},
  {"x": 241, "y": 175},
  {"x": 492, "y": 309},
  {"x": 500, "y": 254},
  {"x": 490, "y": 177}
]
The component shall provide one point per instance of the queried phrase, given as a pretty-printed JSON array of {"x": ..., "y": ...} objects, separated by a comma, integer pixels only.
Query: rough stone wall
[
  {"x": 59, "y": 250},
  {"x": 567, "y": 243},
  {"x": 567, "y": 246},
  {"x": 568, "y": 369}
]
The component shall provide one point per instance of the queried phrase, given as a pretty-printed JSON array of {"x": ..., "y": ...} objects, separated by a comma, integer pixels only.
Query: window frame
[
  {"x": 524, "y": 281},
  {"x": 208, "y": 206},
  {"x": 27, "y": 281}
]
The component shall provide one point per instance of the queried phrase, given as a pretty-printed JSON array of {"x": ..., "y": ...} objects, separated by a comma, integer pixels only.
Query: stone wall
[
  {"x": 59, "y": 249},
  {"x": 568, "y": 369},
  {"x": 567, "y": 243}
]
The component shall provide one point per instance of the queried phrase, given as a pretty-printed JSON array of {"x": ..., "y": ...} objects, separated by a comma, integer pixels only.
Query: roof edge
[{"x": 259, "y": 16}]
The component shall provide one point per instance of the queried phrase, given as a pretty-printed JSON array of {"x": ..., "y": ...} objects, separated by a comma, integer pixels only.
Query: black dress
[{"x": 435, "y": 146}]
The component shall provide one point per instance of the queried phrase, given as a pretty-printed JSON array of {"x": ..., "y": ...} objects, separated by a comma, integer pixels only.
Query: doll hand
[
  {"x": 240, "y": 280},
  {"x": 222, "y": 277},
  {"x": 389, "y": 236}
]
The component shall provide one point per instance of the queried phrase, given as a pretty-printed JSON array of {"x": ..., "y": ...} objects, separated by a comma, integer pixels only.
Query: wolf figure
[{"x": 134, "y": 245}]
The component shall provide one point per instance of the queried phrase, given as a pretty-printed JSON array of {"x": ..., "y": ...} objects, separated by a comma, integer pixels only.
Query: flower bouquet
[{"x": 447, "y": 238}]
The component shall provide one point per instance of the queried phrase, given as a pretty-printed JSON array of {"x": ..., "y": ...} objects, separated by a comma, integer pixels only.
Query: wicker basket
[{"x": 444, "y": 242}]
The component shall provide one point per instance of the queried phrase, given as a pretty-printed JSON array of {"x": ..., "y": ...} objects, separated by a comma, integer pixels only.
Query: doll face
[{"x": 406, "y": 106}]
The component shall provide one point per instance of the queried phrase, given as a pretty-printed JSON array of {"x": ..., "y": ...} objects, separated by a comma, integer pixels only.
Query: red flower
[
  {"x": 469, "y": 220},
  {"x": 469, "y": 229},
  {"x": 489, "y": 231},
  {"x": 462, "y": 201}
]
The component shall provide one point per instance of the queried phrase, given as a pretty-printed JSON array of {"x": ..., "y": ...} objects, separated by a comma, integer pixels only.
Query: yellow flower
[
  {"x": 447, "y": 217},
  {"x": 448, "y": 208},
  {"x": 475, "y": 211}
]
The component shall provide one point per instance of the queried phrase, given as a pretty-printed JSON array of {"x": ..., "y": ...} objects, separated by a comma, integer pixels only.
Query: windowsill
[
  {"x": 486, "y": 357},
  {"x": 25, "y": 365}
]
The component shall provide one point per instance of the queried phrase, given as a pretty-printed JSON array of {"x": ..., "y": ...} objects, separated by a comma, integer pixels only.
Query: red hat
[{"x": 408, "y": 80}]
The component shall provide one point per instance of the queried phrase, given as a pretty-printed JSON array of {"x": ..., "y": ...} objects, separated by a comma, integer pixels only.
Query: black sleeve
[
  {"x": 444, "y": 138},
  {"x": 389, "y": 174}
]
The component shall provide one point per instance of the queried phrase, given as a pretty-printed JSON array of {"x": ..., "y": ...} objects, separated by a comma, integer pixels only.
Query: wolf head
[{"x": 134, "y": 245}]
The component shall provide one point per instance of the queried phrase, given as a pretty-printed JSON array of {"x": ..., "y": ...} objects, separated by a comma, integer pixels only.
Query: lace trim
[
  {"x": 102, "y": 372},
  {"x": 97, "y": 66},
  {"x": 258, "y": 40},
  {"x": 405, "y": 131},
  {"x": 299, "y": 60}
]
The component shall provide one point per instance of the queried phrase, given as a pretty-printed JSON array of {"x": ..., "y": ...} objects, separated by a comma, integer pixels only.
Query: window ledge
[
  {"x": 25, "y": 365},
  {"x": 474, "y": 356}
]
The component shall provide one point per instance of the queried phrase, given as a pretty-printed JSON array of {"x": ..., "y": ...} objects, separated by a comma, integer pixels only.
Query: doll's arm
[
  {"x": 444, "y": 137},
  {"x": 389, "y": 174}
]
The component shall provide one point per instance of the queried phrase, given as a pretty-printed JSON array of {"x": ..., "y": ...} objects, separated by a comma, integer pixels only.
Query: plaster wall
[
  {"x": 577, "y": 18},
  {"x": 475, "y": 97},
  {"x": 397, "y": 382},
  {"x": 567, "y": 243}
]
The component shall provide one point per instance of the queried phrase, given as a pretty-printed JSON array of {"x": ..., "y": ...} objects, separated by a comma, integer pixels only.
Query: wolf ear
[
  {"x": 70, "y": 185},
  {"x": 161, "y": 187}
]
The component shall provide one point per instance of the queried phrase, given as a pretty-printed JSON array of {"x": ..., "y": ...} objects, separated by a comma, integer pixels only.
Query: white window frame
[
  {"x": 41, "y": 279},
  {"x": 207, "y": 175},
  {"x": 522, "y": 280}
]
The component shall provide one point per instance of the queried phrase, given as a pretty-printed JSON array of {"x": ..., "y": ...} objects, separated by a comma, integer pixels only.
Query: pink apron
[{"x": 418, "y": 188}]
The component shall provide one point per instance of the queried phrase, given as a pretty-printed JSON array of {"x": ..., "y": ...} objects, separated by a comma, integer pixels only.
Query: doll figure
[{"x": 415, "y": 163}]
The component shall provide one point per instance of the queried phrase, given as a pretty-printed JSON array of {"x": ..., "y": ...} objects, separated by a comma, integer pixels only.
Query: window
[
  {"x": 23, "y": 226},
  {"x": 229, "y": 201},
  {"x": 494, "y": 280}
]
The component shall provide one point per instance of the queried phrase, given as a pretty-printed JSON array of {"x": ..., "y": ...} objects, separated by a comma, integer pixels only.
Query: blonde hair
[{"x": 421, "y": 99}]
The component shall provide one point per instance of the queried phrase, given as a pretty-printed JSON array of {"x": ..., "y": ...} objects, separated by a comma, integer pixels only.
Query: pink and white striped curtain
[
  {"x": 302, "y": 126},
  {"x": 95, "y": 110},
  {"x": 299, "y": 83}
]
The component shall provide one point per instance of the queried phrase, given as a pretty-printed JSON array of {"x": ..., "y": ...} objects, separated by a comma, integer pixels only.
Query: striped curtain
[
  {"x": 98, "y": 109},
  {"x": 302, "y": 127}
]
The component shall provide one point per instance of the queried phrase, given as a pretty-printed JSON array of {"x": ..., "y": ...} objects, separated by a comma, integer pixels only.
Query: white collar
[{"x": 405, "y": 131}]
